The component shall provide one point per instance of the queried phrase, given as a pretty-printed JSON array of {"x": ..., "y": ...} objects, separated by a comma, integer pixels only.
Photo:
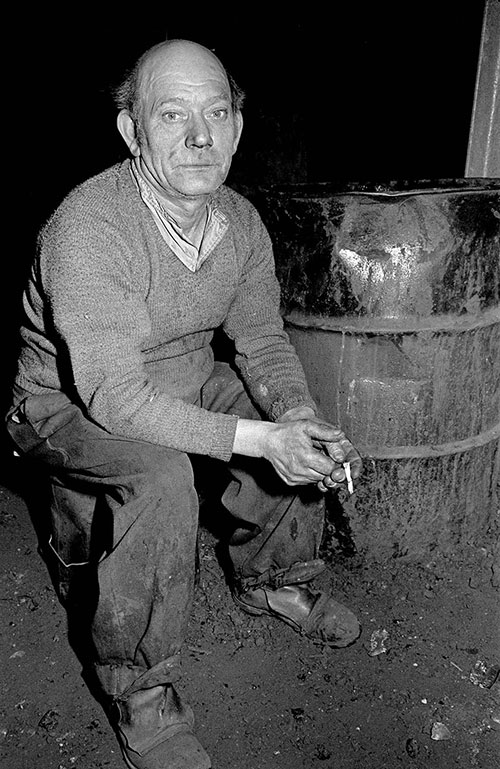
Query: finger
[
  {"x": 299, "y": 477},
  {"x": 345, "y": 452},
  {"x": 330, "y": 484},
  {"x": 338, "y": 475},
  {"x": 313, "y": 476},
  {"x": 356, "y": 467},
  {"x": 320, "y": 463},
  {"x": 336, "y": 451},
  {"x": 325, "y": 432},
  {"x": 325, "y": 486},
  {"x": 355, "y": 462},
  {"x": 286, "y": 479},
  {"x": 310, "y": 459}
]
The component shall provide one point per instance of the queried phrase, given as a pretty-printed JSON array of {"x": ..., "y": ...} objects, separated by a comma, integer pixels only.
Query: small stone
[
  {"x": 377, "y": 642},
  {"x": 440, "y": 731},
  {"x": 484, "y": 675},
  {"x": 49, "y": 720}
]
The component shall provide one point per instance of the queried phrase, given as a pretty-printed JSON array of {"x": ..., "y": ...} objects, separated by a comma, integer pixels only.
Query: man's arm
[
  {"x": 264, "y": 355},
  {"x": 301, "y": 447}
]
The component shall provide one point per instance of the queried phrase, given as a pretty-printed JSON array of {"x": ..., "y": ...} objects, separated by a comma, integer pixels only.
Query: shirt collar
[{"x": 191, "y": 256}]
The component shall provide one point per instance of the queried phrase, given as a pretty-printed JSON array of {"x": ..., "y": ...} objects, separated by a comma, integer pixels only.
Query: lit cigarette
[{"x": 348, "y": 477}]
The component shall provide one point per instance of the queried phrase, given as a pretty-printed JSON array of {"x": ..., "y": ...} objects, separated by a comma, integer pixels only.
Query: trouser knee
[
  {"x": 149, "y": 489},
  {"x": 157, "y": 471}
]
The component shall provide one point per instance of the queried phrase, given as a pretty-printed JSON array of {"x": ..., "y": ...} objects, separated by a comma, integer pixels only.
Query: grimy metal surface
[{"x": 391, "y": 296}]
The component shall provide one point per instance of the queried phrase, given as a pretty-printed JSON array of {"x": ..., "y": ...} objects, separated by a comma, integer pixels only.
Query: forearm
[
  {"x": 251, "y": 437},
  {"x": 166, "y": 421}
]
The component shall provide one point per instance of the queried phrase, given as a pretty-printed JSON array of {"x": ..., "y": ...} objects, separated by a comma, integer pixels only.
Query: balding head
[
  {"x": 166, "y": 54},
  {"x": 179, "y": 56}
]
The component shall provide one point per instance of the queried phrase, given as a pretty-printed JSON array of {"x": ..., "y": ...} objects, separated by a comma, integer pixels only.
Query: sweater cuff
[
  {"x": 223, "y": 441},
  {"x": 281, "y": 405}
]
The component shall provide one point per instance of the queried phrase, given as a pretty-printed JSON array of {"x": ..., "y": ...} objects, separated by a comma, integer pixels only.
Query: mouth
[{"x": 198, "y": 165}]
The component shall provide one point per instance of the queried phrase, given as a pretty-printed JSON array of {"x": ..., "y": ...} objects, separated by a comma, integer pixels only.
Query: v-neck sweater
[{"x": 117, "y": 322}]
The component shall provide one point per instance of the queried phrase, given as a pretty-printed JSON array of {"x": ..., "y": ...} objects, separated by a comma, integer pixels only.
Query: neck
[{"x": 189, "y": 213}]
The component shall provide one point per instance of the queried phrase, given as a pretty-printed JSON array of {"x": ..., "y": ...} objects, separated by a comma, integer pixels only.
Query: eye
[
  {"x": 172, "y": 117},
  {"x": 219, "y": 114}
]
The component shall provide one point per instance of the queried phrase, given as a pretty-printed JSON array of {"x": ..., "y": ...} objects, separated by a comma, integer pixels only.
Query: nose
[{"x": 198, "y": 134}]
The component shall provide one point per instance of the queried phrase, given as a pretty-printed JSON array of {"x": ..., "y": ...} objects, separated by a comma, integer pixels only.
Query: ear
[
  {"x": 238, "y": 122},
  {"x": 127, "y": 128}
]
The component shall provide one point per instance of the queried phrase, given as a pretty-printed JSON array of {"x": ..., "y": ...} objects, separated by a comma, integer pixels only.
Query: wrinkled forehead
[{"x": 179, "y": 65}]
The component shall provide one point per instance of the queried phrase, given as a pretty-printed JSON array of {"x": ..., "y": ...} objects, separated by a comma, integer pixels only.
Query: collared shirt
[{"x": 191, "y": 256}]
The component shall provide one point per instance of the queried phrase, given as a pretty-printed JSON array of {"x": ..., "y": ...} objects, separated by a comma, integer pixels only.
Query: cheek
[
  {"x": 229, "y": 147},
  {"x": 165, "y": 144}
]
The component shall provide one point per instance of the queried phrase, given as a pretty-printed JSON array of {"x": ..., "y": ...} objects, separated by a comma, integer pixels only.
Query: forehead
[{"x": 176, "y": 68}]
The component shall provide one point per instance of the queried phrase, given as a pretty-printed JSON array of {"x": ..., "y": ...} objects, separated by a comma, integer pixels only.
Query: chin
[
  {"x": 204, "y": 185},
  {"x": 193, "y": 191}
]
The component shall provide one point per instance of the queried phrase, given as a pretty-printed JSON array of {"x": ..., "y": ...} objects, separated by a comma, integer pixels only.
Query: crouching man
[{"x": 117, "y": 387}]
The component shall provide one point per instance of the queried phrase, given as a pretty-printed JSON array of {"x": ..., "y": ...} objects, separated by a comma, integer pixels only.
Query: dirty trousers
[{"x": 124, "y": 513}]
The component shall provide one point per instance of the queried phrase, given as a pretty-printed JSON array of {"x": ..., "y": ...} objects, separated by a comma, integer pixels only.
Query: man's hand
[
  {"x": 301, "y": 447},
  {"x": 340, "y": 450},
  {"x": 294, "y": 448}
]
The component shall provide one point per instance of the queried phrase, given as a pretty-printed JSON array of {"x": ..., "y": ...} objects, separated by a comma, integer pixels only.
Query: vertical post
[{"x": 483, "y": 154}]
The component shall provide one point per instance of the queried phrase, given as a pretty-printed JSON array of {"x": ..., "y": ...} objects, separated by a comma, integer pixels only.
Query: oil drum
[{"x": 391, "y": 297}]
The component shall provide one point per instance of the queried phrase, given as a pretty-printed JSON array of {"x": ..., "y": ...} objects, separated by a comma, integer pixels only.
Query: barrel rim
[
  {"x": 385, "y": 188},
  {"x": 375, "y": 325}
]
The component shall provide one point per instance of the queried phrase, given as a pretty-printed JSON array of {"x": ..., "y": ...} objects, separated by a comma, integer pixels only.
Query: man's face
[{"x": 188, "y": 132}]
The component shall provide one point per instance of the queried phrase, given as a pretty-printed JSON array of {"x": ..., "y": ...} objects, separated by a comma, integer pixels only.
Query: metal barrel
[{"x": 391, "y": 296}]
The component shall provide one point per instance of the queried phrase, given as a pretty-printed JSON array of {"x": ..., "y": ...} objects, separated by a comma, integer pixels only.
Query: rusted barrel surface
[{"x": 391, "y": 296}]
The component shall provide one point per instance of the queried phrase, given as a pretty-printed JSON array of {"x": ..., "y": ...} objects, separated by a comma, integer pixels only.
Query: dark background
[
  {"x": 356, "y": 92},
  {"x": 359, "y": 91}
]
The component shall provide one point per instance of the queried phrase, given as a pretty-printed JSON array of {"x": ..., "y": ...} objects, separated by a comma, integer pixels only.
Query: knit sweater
[{"x": 117, "y": 322}]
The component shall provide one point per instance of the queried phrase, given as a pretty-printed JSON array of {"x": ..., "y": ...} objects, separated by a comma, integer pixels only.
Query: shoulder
[
  {"x": 105, "y": 197},
  {"x": 99, "y": 224},
  {"x": 241, "y": 213}
]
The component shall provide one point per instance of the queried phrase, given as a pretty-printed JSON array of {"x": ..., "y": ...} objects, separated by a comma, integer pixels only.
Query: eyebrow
[{"x": 222, "y": 96}]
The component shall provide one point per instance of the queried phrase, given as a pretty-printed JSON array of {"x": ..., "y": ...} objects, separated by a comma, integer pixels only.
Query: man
[{"x": 117, "y": 387}]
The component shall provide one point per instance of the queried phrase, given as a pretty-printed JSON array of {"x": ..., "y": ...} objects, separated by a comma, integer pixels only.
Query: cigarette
[{"x": 348, "y": 477}]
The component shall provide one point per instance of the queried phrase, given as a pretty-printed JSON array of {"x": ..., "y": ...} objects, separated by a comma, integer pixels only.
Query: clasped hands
[{"x": 306, "y": 449}]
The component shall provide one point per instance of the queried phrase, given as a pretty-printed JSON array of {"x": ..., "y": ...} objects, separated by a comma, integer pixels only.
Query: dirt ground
[{"x": 420, "y": 688}]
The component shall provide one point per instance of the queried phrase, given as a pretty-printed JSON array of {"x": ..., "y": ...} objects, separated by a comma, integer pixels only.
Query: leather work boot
[
  {"x": 314, "y": 614},
  {"x": 154, "y": 730}
]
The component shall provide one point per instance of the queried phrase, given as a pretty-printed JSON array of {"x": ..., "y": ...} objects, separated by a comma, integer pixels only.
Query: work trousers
[{"x": 124, "y": 514}]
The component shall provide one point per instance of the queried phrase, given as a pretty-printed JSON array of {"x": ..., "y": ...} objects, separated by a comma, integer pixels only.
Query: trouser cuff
[{"x": 120, "y": 681}]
